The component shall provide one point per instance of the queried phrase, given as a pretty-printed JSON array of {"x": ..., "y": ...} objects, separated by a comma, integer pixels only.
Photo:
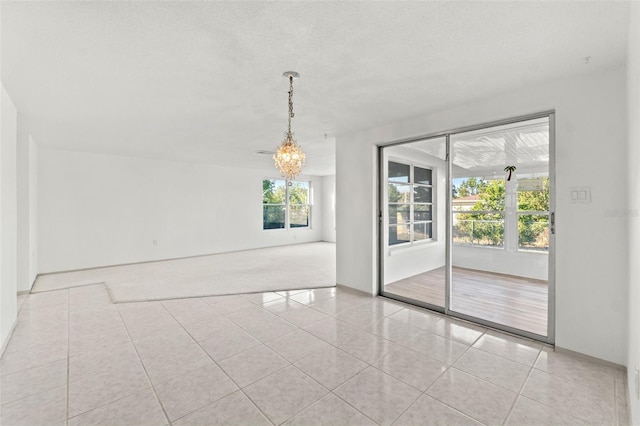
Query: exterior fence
[{"x": 533, "y": 234}]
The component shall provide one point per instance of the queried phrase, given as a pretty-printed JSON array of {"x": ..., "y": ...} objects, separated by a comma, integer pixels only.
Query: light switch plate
[{"x": 580, "y": 195}]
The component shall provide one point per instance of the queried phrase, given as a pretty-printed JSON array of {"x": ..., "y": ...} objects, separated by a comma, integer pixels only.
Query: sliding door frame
[
  {"x": 551, "y": 283},
  {"x": 381, "y": 223}
]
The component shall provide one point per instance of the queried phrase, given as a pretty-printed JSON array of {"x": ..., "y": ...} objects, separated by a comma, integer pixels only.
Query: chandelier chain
[
  {"x": 289, "y": 158},
  {"x": 291, "y": 114}
]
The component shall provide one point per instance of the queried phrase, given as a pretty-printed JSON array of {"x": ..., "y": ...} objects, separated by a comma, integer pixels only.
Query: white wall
[
  {"x": 329, "y": 208},
  {"x": 22, "y": 154},
  {"x": 33, "y": 211},
  {"x": 633, "y": 254},
  {"x": 27, "y": 216},
  {"x": 591, "y": 149},
  {"x": 97, "y": 210},
  {"x": 8, "y": 216},
  {"x": 521, "y": 263}
]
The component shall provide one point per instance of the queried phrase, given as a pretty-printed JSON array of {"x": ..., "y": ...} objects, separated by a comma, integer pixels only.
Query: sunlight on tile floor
[{"x": 325, "y": 356}]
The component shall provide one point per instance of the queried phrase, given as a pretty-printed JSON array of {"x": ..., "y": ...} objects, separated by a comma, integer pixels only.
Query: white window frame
[
  {"x": 412, "y": 242},
  {"x": 287, "y": 205}
]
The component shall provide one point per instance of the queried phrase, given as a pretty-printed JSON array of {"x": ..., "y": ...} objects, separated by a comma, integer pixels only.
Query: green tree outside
[
  {"x": 470, "y": 186},
  {"x": 488, "y": 228},
  {"x": 533, "y": 230},
  {"x": 485, "y": 229}
]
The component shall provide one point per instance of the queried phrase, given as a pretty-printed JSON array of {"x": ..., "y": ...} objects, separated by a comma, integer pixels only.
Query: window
[
  {"x": 285, "y": 206},
  {"x": 482, "y": 218},
  {"x": 533, "y": 213},
  {"x": 410, "y": 200},
  {"x": 478, "y": 206}
]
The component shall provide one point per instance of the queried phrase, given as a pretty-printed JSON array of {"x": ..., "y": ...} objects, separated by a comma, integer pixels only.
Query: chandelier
[{"x": 289, "y": 157}]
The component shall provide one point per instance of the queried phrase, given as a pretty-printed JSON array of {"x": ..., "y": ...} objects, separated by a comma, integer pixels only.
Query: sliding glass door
[
  {"x": 414, "y": 216},
  {"x": 500, "y": 219},
  {"x": 466, "y": 224}
]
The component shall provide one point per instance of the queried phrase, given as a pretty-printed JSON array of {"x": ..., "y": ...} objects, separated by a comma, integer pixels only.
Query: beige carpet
[{"x": 290, "y": 267}]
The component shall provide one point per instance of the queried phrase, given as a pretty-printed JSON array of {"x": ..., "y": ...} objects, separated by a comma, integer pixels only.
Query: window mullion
[
  {"x": 286, "y": 204},
  {"x": 510, "y": 236},
  {"x": 411, "y": 205}
]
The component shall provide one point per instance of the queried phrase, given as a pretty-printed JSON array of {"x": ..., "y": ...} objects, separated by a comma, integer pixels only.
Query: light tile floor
[{"x": 325, "y": 356}]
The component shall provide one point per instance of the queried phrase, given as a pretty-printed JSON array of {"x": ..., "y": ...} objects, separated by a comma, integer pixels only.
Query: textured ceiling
[
  {"x": 201, "y": 81},
  {"x": 486, "y": 153}
]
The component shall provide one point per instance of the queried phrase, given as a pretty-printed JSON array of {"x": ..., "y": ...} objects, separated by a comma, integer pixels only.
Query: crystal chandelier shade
[{"x": 289, "y": 158}]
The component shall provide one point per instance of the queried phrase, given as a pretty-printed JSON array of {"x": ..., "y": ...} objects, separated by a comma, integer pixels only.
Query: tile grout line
[
  {"x": 449, "y": 367},
  {"x": 153, "y": 389},
  {"x": 330, "y": 391},
  {"x": 36, "y": 393},
  {"x": 69, "y": 287},
  {"x": 419, "y": 353},
  {"x": 345, "y": 401},
  {"x": 519, "y": 393},
  {"x": 401, "y": 345},
  {"x": 102, "y": 404},
  {"x": 544, "y": 403},
  {"x": 65, "y": 359},
  {"x": 616, "y": 420},
  {"x": 369, "y": 365},
  {"x": 240, "y": 389},
  {"x": 420, "y": 393},
  {"x": 505, "y": 358},
  {"x": 447, "y": 404},
  {"x": 627, "y": 402},
  {"x": 616, "y": 397},
  {"x": 68, "y": 354}
]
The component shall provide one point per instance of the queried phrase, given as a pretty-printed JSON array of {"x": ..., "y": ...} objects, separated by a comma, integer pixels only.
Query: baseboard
[
  {"x": 354, "y": 290},
  {"x": 591, "y": 358},
  {"x": 6, "y": 342},
  {"x": 34, "y": 282}
]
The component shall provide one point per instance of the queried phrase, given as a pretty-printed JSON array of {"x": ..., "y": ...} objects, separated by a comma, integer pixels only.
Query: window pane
[
  {"x": 299, "y": 193},
  {"x": 421, "y": 194},
  {"x": 399, "y": 213},
  {"x": 399, "y": 193},
  {"x": 491, "y": 195},
  {"x": 274, "y": 191},
  {"x": 421, "y": 212},
  {"x": 273, "y": 217},
  {"x": 478, "y": 229},
  {"x": 298, "y": 216},
  {"x": 533, "y": 194},
  {"x": 489, "y": 233},
  {"x": 421, "y": 175},
  {"x": 533, "y": 232},
  {"x": 398, "y": 234},
  {"x": 422, "y": 231},
  {"x": 398, "y": 172}
]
